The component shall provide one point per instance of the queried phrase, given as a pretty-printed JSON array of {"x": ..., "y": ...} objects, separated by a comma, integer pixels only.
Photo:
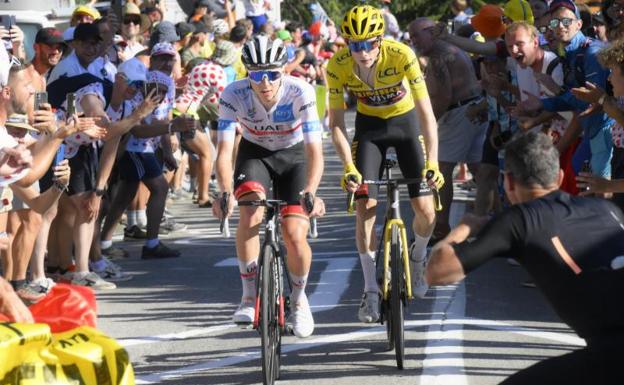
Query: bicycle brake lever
[
  {"x": 437, "y": 202},
  {"x": 308, "y": 201}
]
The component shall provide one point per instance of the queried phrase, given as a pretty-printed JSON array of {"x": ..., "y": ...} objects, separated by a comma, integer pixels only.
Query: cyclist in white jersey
[{"x": 281, "y": 149}]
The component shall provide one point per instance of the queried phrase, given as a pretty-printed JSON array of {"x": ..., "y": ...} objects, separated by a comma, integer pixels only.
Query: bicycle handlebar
[{"x": 429, "y": 175}]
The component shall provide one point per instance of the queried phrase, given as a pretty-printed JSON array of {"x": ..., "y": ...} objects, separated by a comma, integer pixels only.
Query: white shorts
[{"x": 459, "y": 139}]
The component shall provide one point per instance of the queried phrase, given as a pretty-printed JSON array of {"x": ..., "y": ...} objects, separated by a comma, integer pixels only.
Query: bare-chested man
[{"x": 453, "y": 87}]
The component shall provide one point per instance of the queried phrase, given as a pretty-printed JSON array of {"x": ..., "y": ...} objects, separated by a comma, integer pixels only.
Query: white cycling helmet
[{"x": 260, "y": 52}]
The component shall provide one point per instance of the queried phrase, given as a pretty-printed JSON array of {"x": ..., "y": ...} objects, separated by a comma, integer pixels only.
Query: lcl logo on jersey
[{"x": 283, "y": 113}]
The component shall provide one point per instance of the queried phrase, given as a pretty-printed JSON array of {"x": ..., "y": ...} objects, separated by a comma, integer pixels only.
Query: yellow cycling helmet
[{"x": 362, "y": 22}]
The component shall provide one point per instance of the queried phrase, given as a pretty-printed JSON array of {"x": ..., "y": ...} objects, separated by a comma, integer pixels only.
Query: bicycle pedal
[{"x": 289, "y": 330}]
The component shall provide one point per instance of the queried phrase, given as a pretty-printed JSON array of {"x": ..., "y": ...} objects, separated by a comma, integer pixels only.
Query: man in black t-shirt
[{"x": 573, "y": 248}]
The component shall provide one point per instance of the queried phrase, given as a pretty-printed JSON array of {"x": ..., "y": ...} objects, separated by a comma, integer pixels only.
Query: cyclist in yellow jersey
[{"x": 393, "y": 108}]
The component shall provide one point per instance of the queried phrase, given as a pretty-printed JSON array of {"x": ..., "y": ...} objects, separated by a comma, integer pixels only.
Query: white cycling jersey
[{"x": 292, "y": 119}]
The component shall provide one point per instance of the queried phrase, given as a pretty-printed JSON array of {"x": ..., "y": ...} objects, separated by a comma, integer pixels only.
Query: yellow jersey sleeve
[
  {"x": 414, "y": 76},
  {"x": 335, "y": 77}
]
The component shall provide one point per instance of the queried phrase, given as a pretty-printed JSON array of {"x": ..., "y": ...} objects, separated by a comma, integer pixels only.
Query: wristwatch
[{"x": 100, "y": 192}]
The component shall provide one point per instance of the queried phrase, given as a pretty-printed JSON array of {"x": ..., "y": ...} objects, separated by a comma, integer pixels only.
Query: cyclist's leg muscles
[
  {"x": 251, "y": 182},
  {"x": 368, "y": 157},
  {"x": 410, "y": 153},
  {"x": 289, "y": 182},
  {"x": 409, "y": 147}
]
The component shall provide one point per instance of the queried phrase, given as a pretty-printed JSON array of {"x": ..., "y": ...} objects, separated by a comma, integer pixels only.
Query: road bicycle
[
  {"x": 393, "y": 265},
  {"x": 272, "y": 302}
]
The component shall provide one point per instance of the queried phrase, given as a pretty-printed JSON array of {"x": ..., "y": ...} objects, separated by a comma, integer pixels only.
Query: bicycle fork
[{"x": 404, "y": 251}]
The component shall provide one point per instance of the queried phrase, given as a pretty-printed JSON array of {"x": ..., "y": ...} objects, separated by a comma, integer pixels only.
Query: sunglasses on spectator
[
  {"x": 134, "y": 19},
  {"x": 565, "y": 21},
  {"x": 259, "y": 76},
  {"x": 366, "y": 45}
]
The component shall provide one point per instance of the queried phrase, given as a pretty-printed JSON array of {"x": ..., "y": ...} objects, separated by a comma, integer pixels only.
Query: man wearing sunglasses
[
  {"x": 280, "y": 148},
  {"x": 393, "y": 110},
  {"x": 580, "y": 66}
]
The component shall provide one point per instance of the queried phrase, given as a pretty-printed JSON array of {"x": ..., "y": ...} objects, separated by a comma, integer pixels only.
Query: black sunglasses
[{"x": 134, "y": 19}]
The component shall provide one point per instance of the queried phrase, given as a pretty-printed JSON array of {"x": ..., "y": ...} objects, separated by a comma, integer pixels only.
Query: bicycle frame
[{"x": 271, "y": 239}]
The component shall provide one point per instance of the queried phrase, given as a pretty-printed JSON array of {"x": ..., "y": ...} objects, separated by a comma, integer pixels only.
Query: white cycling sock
[
  {"x": 141, "y": 218},
  {"x": 248, "y": 272},
  {"x": 104, "y": 244},
  {"x": 368, "y": 268},
  {"x": 419, "y": 248},
  {"x": 131, "y": 218},
  {"x": 298, "y": 287}
]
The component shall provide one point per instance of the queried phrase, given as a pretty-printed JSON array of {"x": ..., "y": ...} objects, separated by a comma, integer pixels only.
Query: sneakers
[
  {"x": 43, "y": 285},
  {"x": 112, "y": 272},
  {"x": 170, "y": 225},
  {"x": 369, "y": 308},
  {"x": 134, "y": 232},
  {"x": 419, "y": 283},
  {"x": 159, "y": 252},
  {"x": 213, "y": 188},
  {"x": 301, "y": 319},
  {"x": 29, "y": 294},
  {"x": 92, "y": 280},
  {"x": 245, "y": 313},
  {"x": 114, "y": 253}
]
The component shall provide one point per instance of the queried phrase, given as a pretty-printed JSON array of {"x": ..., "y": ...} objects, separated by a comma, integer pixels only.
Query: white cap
[
  {"x": 5, "y": 67},
  {"x": 163, "y": 49},
  {"x": 134, "y": 70},
  {"x": 220, "y": 27},
  {"x": 68, "y": 34}
]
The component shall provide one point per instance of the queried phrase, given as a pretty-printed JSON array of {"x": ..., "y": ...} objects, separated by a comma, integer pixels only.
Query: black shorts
[
  {"x": 84, "y": 166},
  {"x": 138, "y": 166},
  {"x": 259, "y": 169},
  {"x": 373, "y": 137}
]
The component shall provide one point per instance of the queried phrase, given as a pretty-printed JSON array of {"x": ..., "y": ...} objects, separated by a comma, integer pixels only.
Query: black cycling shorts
[
  {"x": 284, "y": 171},
  {"x": 373, "y": 137}
]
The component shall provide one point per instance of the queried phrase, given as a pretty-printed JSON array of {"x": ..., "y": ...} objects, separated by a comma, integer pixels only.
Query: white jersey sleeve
[
  {"x": 226, "y": 127},
  {"x": 308, "y": 113}
]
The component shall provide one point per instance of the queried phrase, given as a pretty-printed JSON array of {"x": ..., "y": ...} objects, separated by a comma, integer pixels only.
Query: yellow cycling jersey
[{"x": 398, "y": 81}]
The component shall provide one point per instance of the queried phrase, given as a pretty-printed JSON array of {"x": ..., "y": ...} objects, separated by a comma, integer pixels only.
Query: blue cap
[{"x": 556, "y": 4}]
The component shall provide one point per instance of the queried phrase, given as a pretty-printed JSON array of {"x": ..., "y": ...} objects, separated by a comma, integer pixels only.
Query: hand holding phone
[
  {"x": 40, "y": 99},
  {"x": 71, "y": 105}
]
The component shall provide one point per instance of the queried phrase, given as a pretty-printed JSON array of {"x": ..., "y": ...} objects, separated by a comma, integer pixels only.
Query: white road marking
[
  {"x": 365, "y": 333},
  {"x": 435, "y": 369},
  {"x": 175, "y": 336}
]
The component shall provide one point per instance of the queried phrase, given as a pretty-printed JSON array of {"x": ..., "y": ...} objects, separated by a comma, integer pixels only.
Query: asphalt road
[{"x": 174, "y": 316}]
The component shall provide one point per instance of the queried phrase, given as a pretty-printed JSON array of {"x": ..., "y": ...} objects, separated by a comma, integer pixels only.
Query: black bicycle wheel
[
  {"x": 278, "y": 272},
  {"x": 396, "y": 296},
  {"x": 269, "y": 325}
]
